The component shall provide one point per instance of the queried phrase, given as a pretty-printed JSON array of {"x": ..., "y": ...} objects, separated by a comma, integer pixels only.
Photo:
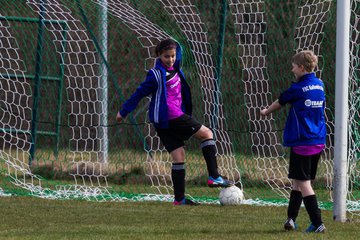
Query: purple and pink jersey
[
  {"x": 173, "y": 88},
  {"x": 308, "y": 150}
]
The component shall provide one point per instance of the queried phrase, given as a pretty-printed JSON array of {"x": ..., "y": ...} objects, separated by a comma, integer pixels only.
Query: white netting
[
  {"x": 82, "y": 65},
  {"x": 354, "y": 104},
  {"x": 73, "y": 44},
  {"x": 158, "y": 164},
  {"x": 15, "y": 110},
  {"x": 196, "y": 34},
  {"x": 250, "y": 30},
  {"x": 250, "y": 26}
]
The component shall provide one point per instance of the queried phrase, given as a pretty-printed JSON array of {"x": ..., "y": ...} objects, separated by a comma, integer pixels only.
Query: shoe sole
[
  {"x": 219, "y": 185},
  {"x": 187, "y": 203},
  {"x": 215, "y": 184},
  {"x": 196, "y": 204},
  {"x": 288, "y": 227}
]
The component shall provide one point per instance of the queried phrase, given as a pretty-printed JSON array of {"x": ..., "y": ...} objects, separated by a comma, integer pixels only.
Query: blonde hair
[{"x": 307, "y": 59}]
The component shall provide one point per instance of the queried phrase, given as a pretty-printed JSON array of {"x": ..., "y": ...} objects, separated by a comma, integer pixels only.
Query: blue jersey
[
  {"x": 305, "y": 124},
  {"x": 155, "y": 86}
]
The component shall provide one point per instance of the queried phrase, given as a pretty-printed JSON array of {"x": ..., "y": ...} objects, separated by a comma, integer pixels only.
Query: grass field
[{"x": 35, "y": 218}]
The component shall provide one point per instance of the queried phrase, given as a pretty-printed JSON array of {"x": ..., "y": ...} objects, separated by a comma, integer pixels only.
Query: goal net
[{"x": 66, "y": 68}]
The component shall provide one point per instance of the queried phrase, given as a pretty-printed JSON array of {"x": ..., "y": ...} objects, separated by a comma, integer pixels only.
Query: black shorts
[
  {"x": 180, "y": 129},
  {"x": 303, "y": 167}
]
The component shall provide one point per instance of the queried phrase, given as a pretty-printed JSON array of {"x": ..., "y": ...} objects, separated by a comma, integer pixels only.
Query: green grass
[{"x": 35, "y": 218}]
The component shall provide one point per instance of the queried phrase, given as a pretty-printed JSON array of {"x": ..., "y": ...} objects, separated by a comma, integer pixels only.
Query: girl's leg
[
  {"x": 204, "y": 133},
  {"x": 208, "y": 149},
  {"x": 310, "y": 202},
  {"x": 178, "y": 173},
  {"x": 294, "y": 206},
  {"x": 305, "y": 187},
  {"x": 209, "y": 152},
  {"x": 295, "y": 201}
]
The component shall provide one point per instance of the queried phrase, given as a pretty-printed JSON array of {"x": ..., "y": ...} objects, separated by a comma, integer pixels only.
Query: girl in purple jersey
[{"x": 170, "y": 112}]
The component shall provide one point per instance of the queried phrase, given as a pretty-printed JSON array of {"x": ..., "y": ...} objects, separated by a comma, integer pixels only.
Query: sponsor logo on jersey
[
  {"x": 313, "y": 104},
  {"x": 175, "y": 84}
]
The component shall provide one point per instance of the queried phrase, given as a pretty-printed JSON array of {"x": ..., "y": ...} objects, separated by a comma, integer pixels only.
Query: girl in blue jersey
[
  {"x": 305, "y": 134},
  {"x": 170, "y": 112}
]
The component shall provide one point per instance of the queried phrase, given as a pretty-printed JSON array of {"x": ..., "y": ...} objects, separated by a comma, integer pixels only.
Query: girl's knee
[{"x": 207, "y": 133}]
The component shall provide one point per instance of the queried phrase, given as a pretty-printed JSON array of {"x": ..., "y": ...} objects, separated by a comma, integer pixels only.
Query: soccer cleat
[
  {"x": 290, "y": 225},
  {"x": 218, "y": 182},
  {"x": 312, "y": 228},
  {"x": 185, "y": 201}
]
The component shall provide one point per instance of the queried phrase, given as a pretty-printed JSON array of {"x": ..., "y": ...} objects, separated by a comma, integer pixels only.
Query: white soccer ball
[{"x": 231, "y": 196}]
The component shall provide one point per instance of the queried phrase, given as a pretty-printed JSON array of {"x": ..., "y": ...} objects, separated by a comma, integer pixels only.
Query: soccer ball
[{"x": 231, "y": 196}]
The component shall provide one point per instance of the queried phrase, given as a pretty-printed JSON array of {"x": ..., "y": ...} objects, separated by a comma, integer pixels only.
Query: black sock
[
  {"x": 294, "y": 204},
  {"x": 313, "y": 210},
  {"x": 178, "y": 178},
  {"x": 209, "y": 152}
]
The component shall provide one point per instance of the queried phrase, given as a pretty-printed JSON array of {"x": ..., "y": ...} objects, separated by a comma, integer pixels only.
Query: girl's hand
[
  {"x": 263, "y": 112},
  {"x": 119, "y": 118},
  {"x": 272, "y": 108}
]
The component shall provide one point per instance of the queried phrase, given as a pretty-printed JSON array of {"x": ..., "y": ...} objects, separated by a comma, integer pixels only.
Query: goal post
[
  {"x": 103, "y": 36},
  {"x": 341, "y": 109}
]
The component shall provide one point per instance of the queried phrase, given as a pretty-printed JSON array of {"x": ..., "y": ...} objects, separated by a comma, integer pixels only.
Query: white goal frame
[{"x": 341, "y": 109}]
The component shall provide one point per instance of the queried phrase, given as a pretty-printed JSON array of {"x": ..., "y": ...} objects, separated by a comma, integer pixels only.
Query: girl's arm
[
  {"x": 145, "y": 89},
  {"x": 273, "y": 107}
]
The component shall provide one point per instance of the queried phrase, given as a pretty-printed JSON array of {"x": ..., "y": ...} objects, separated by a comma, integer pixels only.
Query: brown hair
[
  {"x": 307, "y": 59},
  {"x": 164, "y": 45}
]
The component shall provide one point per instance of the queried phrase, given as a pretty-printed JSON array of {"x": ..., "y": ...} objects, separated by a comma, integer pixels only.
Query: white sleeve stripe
[{"x": 157, "y": 75}]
